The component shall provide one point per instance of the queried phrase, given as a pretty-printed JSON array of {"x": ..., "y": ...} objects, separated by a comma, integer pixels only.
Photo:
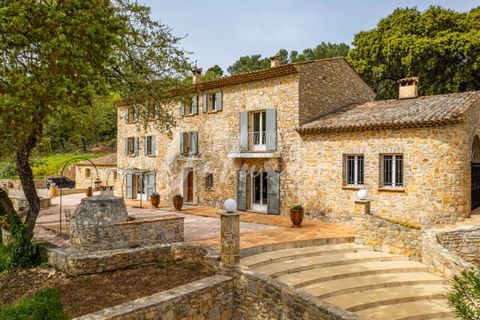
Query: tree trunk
[
  {"x": 26, "y": 177},
  {"x": 84, "y": 144},
  {"x": 62, "y": 144}
]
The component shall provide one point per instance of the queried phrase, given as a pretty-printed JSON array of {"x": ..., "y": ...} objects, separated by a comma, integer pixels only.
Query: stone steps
[
  {"x": 326, "y": 289},
  {"x": 374, "y": 285},
  {"x": 297, "y": 253},
  {"x": 277, "y": 269},
  {"x": 304, "y": 278}
]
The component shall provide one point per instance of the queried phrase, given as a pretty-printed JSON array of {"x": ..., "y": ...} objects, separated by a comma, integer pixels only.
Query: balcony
[{"x": 257, "y": 144}]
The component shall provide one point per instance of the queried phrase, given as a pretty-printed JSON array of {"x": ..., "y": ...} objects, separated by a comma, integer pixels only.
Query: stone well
[{"x": 102, "y": 223}]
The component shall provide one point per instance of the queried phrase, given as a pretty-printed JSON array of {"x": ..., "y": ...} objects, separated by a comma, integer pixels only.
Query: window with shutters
[
  {"x": 209, "y": 181},
  {"x": 131, "y": 114},
  {"x": 212, "y": 101},
  {"x": 189, "y": 143},
  {"x": 186, "y": 143},
  {"x": 392, "y": 171},
  {"x": 193, "y": 107},
  {"x": 354, "y": 170},
  {"x": 130, "y": 146},
  {"x": 88, "y": 173},
  {"x": 150, "y": 146}
]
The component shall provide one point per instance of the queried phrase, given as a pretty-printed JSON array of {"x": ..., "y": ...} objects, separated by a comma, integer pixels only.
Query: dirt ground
[{"x": 85, "y": 294}]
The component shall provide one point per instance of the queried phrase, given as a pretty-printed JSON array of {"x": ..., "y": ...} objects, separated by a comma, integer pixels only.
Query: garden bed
[{"x": 85, "y": 294}]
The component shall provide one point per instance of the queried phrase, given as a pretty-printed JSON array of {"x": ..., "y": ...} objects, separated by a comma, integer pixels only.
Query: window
[
  {"x": 88, "y": 173},
  {"x": 115, "y": 175},
  {"x": 149, "y": 146},
  {"x": 354, "y": 170},
  {"x": 130, "y": 147},
  {"x": 392, "y": 171},
  {"x": 212, "y": 101},
  {"x": 188, "y": 143},
  {"x": 193, "y": 108},
  {"x": 131, "y": 115},
  {"x": 209, "y": 181},
  {"x": 152, "y": 113}
]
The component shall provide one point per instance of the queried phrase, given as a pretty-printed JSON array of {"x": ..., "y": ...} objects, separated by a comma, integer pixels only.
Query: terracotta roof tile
[{"x": 401, "y": 113}]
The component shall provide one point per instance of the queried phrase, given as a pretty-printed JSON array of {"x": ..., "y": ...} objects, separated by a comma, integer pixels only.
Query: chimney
[
  {"x": 407, "y": 88},
  {"x": 275, "y": 61},
  {"x": 197, "y": 75}
]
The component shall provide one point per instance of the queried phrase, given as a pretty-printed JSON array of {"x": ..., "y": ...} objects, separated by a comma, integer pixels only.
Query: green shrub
[
  {"x": 296, "y": 207},
  {"x": 5, "y": 258},
  {"x": 44, "y": 305},
  {"x": 24, "y": 253},
  {"x": 8, "y": 170},
  {"x": 464, "y": 298}
]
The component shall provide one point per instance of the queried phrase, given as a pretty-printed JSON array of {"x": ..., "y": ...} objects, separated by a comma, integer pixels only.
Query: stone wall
[
  {"x": 83, "y": 181},
  {"x": 385, "y": 236},
  {"x": 258, "y": 296},
  {"x": 129, "y": 234},
  {"x": 435, "y": 191},
  {"x": 439, "y": 259},
  {"x": 463, "y": 241},
  {"x": 210, "y": 298},
  {"x": 76, "y": 262}
]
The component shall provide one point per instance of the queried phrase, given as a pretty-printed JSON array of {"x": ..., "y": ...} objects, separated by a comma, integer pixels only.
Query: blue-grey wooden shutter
[
  {"x": 129, "y": 186},
  {"x": 243, "y": 131},
  {"x": 135, "y": 146},
  {"x": 195, "y": 104},
  {"x": 126, "y": 146},
  {"x": 242, "y": 190},
  {"x": 150, "y": 184},
  {"x": 145, "y": 145},
  {"x": 194, "y": 142},
  {"x": 204, "y": 103},
  {"x": 271, "y": 128},
  {"x": 135, "y": 114},
  {"x": 181, "y": 143},
  {"x": 154, "y": 145},
  {"x": 127, "y": 114},
  {"x": 273, "y": 198},
  {"x": 181, "y": 110},
  {"x": 219, "y": 100}
]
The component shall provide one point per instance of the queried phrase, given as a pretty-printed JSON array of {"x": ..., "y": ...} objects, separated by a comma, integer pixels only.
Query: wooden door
[{"x": 190, "y": 186}]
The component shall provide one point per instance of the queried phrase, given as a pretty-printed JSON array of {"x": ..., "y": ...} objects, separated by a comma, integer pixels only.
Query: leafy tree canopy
[
  {"x": 440, "y": 46},
  {"x": 213, "y": 73},
  {"x": 58, "y": 57}
]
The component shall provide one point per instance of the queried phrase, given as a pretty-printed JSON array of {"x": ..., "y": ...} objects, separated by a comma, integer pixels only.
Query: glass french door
[
  {"x": 259, "y": 191},
  {"x": 259, "y": 135}
]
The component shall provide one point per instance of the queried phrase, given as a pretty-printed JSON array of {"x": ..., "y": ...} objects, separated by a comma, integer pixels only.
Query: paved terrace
[{"x": 202, "y": 224}]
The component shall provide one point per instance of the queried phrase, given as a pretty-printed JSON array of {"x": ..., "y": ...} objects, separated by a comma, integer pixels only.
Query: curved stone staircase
[{"x": 374, "y": 285}]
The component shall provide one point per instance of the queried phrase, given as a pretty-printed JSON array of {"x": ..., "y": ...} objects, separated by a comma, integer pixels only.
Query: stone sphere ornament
[
  {"x": 230, "y": 205},
  {"x": 362, "y": 194}
]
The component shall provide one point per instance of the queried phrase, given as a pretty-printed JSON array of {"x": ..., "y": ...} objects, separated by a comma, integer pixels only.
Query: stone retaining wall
[
  {"x": 258, "y": 296},
  {"x": 463, "y": 241},
  {"x": 129, "y": 234},
  {"x": 209, "y": 298},
  {"x": 388, "y": 237},
  {"x": 439, "y": 259},
  {"x": 75, "y": 262}
]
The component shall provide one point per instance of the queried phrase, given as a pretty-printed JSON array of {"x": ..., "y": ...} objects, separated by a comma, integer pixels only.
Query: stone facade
[
  {"x": 388, "y": 237},
  {"x": 437, "y": 171},
  {"x": 210, "y": 298},
  {"x": 85, "y": 175}
]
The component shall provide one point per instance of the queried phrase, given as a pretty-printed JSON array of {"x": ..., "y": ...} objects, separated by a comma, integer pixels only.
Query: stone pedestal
[
  {"x": 362, "y": 207},
  {"x": 230, "y": 238}
]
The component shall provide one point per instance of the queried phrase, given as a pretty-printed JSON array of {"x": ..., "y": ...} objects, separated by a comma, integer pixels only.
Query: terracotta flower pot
[
  {"x": 155, "y": 200},
  {"x": 89, "y": 192},
  {"x": 178, "y": 203},
  {"x": 296, "y": 216}
]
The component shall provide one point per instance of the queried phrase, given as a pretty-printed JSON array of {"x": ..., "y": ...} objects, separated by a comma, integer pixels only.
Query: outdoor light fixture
[
  {"x": 230, "y": 205},
  {"x": 362, "y": 194}
]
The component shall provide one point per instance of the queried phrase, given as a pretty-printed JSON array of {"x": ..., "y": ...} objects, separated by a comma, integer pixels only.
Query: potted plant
[
  {"x": 296, "y": 215},
  {"x": 89, "y": 192},
  {"x": 178, "y": 202},
  {"x": 155, "y": 199}
]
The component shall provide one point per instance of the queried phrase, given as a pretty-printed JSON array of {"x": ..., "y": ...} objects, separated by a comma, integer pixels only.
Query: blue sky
[{"x": 220, "y": 31}]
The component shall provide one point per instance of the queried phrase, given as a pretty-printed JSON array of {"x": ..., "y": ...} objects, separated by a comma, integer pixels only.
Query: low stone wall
[
  {"x": 258, "y": 296},
  {"x": 388, "y": 237},
  {"x": 439, "y": 259},
  {"x": 463, "y": 241},
  {"x": 76, "y": 262},
  {"x": 129, "y": 234},
  {"x": 22, "y": 203},
  {"x": 209, "y": 298}
]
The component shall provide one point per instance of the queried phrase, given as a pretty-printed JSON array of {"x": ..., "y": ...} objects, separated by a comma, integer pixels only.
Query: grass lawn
[
  {"x": 50, "y": 165},
  {"x": 4, "y": 258},
  {"x": 45, "y": 304}
]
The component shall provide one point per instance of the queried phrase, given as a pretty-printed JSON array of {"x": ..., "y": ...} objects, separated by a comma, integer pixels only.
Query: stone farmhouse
[
  {"x": 103, "y": 168},
  {"x": 310, "y": 133}
]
